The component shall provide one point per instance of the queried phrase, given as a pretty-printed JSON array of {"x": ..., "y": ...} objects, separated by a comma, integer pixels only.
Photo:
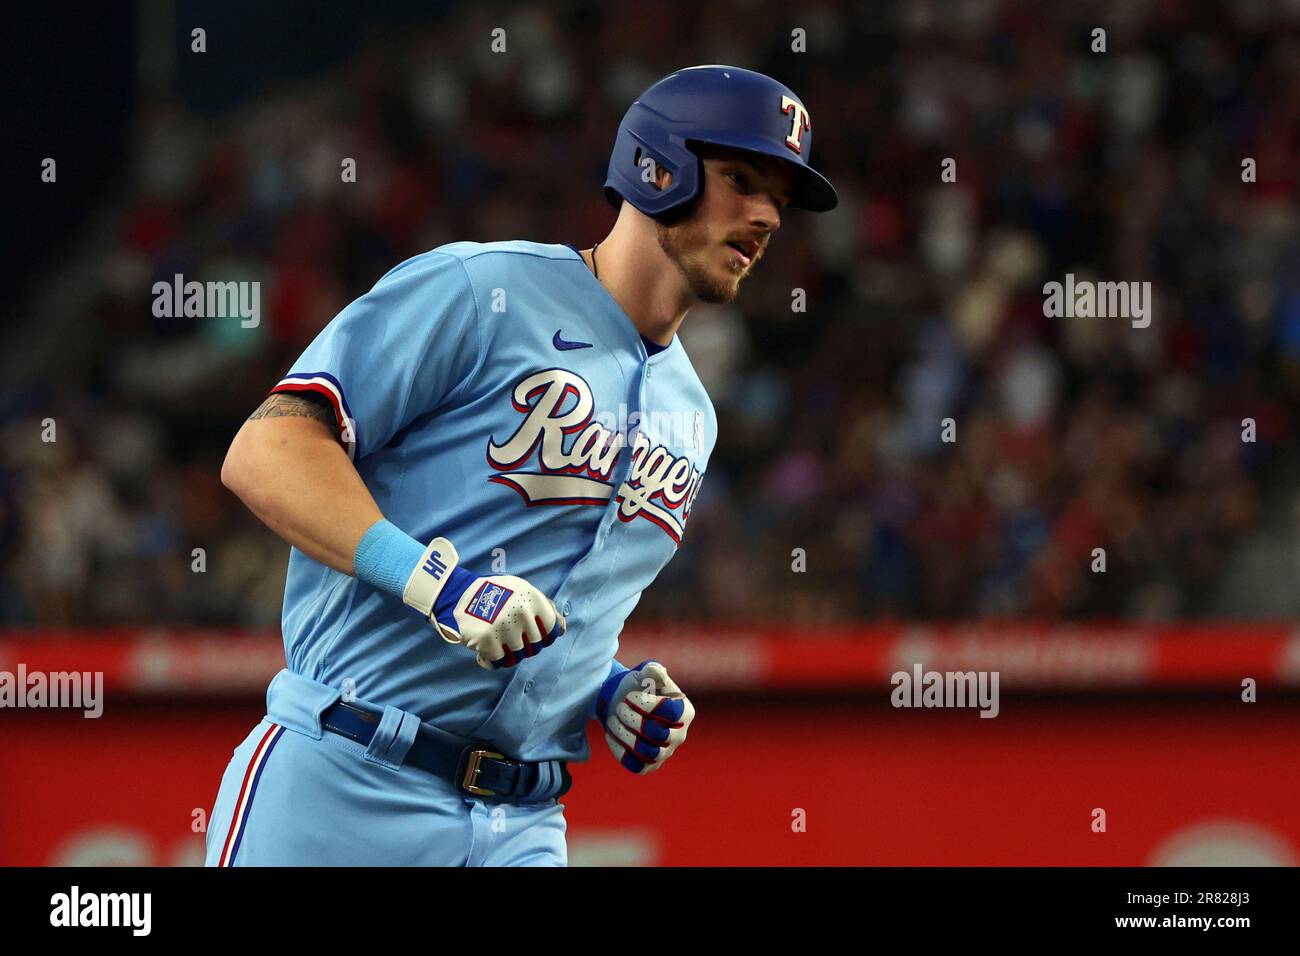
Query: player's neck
[{"x": 643, "y": 281}]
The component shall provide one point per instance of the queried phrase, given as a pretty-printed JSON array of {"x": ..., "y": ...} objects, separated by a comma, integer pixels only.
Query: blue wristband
[
  {"x": 386, "y": 556},
  {"x": 614, "y": 668}
]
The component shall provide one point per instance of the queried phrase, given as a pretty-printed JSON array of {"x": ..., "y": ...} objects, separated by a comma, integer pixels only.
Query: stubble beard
[{"x": 688, "y": 246}]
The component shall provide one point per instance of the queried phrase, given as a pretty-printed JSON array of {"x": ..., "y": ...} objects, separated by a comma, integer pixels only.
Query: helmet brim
[{"x": 811, "y": 191}]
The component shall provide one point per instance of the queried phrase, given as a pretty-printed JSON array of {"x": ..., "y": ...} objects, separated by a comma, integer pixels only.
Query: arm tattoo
[{"x": 295, "y": 405}]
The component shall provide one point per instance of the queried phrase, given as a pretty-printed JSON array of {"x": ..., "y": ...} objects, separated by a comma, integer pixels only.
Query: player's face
[{"x": 731, "y": 224}]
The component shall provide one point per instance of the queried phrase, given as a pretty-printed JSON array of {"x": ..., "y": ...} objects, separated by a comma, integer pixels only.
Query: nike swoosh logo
[{"x": 564, "y": 346}]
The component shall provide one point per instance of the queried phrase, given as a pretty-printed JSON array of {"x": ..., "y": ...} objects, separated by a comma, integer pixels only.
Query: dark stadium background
[{"x": 1123, "y": 688}]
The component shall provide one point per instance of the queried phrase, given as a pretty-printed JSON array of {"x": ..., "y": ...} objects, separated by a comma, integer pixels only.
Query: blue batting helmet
[{"x": 722, "y": 105}]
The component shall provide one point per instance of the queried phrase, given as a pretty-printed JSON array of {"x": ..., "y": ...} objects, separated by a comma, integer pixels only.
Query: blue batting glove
[{"x": 645, "y": 716}]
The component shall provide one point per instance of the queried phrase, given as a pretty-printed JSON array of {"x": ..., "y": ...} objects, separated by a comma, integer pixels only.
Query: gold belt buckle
[{"x": 470, "y": 783}]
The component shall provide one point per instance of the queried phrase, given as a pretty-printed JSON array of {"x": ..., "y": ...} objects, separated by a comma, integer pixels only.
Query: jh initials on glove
[
  {"x": 502, "y": 618},
  {"x": 645, "y": 716}
]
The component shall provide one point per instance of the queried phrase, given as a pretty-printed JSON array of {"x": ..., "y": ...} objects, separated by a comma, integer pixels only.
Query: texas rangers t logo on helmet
[{"x": 800, "y": 122}]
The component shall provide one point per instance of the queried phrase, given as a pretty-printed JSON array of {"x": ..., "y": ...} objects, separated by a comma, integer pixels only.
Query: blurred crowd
[{"x": 832, "y": 494}]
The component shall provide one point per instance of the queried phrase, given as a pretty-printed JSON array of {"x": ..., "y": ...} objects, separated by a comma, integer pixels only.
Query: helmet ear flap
[
  {"x": 682, "y": 211},
  {"x": 647, "y": 168},
  {"x": 635, "y": 173},
  {"x": 636, "y": 162}
]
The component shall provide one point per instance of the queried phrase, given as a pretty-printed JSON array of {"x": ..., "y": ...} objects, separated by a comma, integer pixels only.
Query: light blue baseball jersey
[{"x": 495, "y": 394}]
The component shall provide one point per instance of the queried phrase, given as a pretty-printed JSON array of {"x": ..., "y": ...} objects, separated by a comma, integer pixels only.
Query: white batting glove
[{"x": 502, "y": 618}]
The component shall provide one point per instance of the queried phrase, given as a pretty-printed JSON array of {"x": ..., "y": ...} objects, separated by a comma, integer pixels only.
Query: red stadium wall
[{"x": 1203, "y": 779}]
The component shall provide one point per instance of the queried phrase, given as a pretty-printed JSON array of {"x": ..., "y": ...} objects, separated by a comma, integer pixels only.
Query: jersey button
[
  {"x": 528, "y": 685},
  {"x": 568, "y": 606}
]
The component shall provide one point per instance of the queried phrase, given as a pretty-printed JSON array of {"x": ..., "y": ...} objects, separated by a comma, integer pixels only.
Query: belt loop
[
  {"x": 297, "y": 702},
  {"x": 393, "y": 738},
  {"x": 553, "y": 780}
]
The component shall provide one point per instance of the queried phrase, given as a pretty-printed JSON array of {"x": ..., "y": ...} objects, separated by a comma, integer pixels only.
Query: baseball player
[{"x": 480, "y": 464}]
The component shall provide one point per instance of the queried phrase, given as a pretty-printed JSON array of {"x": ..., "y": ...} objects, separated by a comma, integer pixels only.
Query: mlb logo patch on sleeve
[{"x": 488, "y": 601}]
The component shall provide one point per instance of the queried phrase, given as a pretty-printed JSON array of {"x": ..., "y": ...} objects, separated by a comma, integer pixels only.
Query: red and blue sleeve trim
[{"x": 323, "y": 383}]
